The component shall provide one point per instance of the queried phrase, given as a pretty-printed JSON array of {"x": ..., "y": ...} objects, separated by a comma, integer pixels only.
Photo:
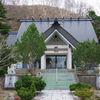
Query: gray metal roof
[
  {"x": 80, "y": 29},
  {"x": 64, "y": 33},
  {"x": 11, "y": 38}
]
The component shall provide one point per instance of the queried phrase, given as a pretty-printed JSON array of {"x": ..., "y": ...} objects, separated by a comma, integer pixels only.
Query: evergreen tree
[
  {"x": 4, "y": 28},
  {"x": 32, "y": 46},
  {"x": 95, "y": 23},
  {"x": 86, "y": 55}
]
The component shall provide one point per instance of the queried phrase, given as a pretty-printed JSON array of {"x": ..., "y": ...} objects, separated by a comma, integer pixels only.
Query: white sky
[{"x": 94, "y": 3}]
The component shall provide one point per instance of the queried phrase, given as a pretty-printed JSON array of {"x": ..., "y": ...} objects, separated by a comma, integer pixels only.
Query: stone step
[
  {"x": 58, "y": 84},
  {"x": 54, "y": 87},
  {"x": 65, "y": 79},
  {"x": 54, "y": 79},
  {"x": 57, "y": 77},
  {"x": 59, "y": 73},
  {"x": 54, "y": 70}
]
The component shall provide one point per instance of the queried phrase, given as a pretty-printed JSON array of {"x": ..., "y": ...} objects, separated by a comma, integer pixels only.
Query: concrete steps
[
  {"x": 54, "y": 70},
  {"x": 64, "y": 79}
]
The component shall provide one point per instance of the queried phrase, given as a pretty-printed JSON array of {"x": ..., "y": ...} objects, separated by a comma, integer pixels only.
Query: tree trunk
[
  {"x": 31, "y": 66},
  {"x": 86, "y": 70}
]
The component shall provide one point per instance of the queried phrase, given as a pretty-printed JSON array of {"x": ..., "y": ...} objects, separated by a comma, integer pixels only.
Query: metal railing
[{"x": 56, "y": 75}]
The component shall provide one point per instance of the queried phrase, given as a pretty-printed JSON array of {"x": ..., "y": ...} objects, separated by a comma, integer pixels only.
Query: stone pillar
[
  {"x": 10, "y": 80},
  {"x": 43, "y": 62},
  {"x": 69, "y": 59}
]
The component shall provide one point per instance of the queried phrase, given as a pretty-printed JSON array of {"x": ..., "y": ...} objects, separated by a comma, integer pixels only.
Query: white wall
[
  {"x": 69, "y": 59},
  {"x": 43, "y": 62},
  {"x": 55, "y": 41},
  {"x": 50, "y": 51}
]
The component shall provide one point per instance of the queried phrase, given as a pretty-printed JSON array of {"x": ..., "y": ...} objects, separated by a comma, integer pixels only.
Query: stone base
[
  {"x": 8, "y": 88},
  {"x": 10, "y": 80},
  {"x": 88, "y": 79},
  {"x": 24, "y": 71}
]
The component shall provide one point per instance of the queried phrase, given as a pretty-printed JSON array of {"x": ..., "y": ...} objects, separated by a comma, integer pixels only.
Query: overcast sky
[{"x": 94, "y": 3}]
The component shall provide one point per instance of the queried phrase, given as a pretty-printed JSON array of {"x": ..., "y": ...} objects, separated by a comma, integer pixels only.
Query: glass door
[
  {"x": 61, "y": 62},
  {"x": 50, "y": 61},
  {"x": 53, "y": 61}
]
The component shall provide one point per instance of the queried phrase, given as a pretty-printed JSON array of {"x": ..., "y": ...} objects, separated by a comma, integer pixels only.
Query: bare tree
[
  {"x": 56, "y": 4},
  {"x": 69, "y": 7},
  {"x": 45, "y": 8},
  {"x": 6, "y": 54},
  {"x": 3, "y": 2},
  {"x": 82, "y": 8},
  {"x": 76, "y": 9},
  {"x": 50, "y": 8},
  {"x": 25, "y": 9},
  {"x": 18, "y": 11},
  {"x": 98, "y": 10}
]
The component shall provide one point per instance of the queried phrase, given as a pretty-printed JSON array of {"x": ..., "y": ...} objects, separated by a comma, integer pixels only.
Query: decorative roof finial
[
  {"x": 70, "y": 16},
  {"x": 47, "y": 17},
  {"x": 78, "y": 17},
  {"x": 40, "y": 17},
  {"x": 56, "y": 17},
  {"x": 33, "y": 18},
  {"x": 56, "y": 20}
]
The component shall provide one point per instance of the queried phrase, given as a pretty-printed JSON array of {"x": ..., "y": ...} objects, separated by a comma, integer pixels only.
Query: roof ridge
[{"x": 59, "y": 19}]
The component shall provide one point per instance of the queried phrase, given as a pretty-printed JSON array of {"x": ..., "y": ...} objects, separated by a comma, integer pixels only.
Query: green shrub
[
  {"x": 26, "y": 81},
  {"x": 2, "y": 72},
  {"x": 26, "y": 93},
  {"x": 18, "y": 85},
  {"x": 84, "y": 93},
  {"x": 79, "y": 86},
  {"x": 88, "y": 99},
  {"x": 32, "y": 87},
  {"x": 39, "y": 83}
]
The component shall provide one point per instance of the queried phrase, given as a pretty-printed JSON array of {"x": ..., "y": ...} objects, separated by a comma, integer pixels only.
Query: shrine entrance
[{"x": 55, "y": 61}]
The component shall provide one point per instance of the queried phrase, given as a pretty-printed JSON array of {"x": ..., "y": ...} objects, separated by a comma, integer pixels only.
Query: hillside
[{"x": 26, "y": 12}]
